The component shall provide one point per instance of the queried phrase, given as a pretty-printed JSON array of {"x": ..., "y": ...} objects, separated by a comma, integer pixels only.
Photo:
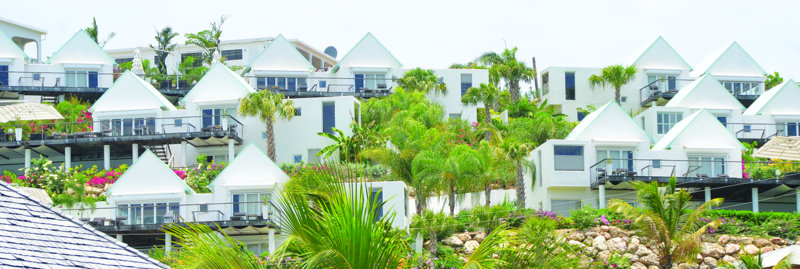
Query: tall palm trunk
[
  {"x": 420, "y": 205},
  {"x": 487, "y": 194},
  {"x": 514, "y": 89},
  {"x": 487, "y": 118},
  {"x": 617, "y": 95},
  {"x": 434, "y": 240},
  {"x": 520, "y": 186},
  {"x": 271, "y": 139},
  {"x": 452, "y": 199}
]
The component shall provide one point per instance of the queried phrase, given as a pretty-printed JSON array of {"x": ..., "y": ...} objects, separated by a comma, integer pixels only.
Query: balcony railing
[
  {"x": 659, "y": 89},
  {"x": 133, "y": 129},
  {"x": 318, "y": 86},
  {"x": 693, "y": 172},
  {"x": 154, "y": 216},
  {"x": 760, "y": 131}
]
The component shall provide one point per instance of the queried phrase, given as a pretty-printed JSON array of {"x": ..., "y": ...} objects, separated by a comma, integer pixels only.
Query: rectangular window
[
  {"x": 791, "y": 129},
  {"x": 323, "y": 84},
  {"x": 281, "y": 82},
  {"x": 742, "y": 87},
  {"x": 123, "y": 60},
  {"x": 376, "y": 199},
  {"x": 232, "y": 54},
  {"x": 455, "y": 116},
  {"x": 271, "y": 82},
  {"x": 656, "y": 163},
  {"x": 93, "y": 79},
  {"x": 197, "y": 56},
  {"x": 149, "y": 213},
  {"x": 291, "y": 84},
  {"x": 666, "y": 120},
  {"x": 747, "y": 128},
  {"x": 298, "y": 158},
  {"x": 312, "y": 156},
  {"x": 581, "y": 115},
  {"x": 328, "y": 116},
  {"x": 545, "y": 84},
  {"x": 298, "y": 111},
  {"x": 618, "y": 160},
  {"x": 261, "y": 82},
  {"x": 249, "y": 203},
  {"x": 359, "y": 82},
  {"x": 706, "y": 166},
  {"x": 568, "y": 158},
  {"x": 569, "y": 85},
  {"x": 212, "y": 117},
  {"x": 466, "y": 83},
  {"x": 77, "y": 78}
]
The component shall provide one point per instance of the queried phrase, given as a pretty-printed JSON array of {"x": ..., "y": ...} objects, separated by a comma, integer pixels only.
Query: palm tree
[
  {"x": 208, "y": 40},
  {"x": 423, "y": 80},
  {"x": 347, "y": 146},
  {"x": 667, "y": 220},
  {"x": 203, "y": 248},
  {"x": 615, "y": 76},
  {"x": 488, "y": 94},
  {"x": 164, "y": 46},
  {"x": 332, "y": 222},
  {"x": 430, "y": 222},
  {"x": 458, "y": 168},
  {"x": 265, "y": 105},
  {"x": 507, "y": 67},
  {"x": 517, "y": 152},
  {"x": 494, "y": 168},
  {"x": 94, "y": 33}
]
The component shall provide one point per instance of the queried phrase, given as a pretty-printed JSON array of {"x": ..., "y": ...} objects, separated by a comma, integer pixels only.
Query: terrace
[
  {"x": 663, "y": 88},
  {"x": 327, "y": 87}
]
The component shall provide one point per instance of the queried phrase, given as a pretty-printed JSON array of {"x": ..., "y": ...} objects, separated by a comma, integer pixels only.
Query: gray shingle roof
[{"x": 33, "y": 235}]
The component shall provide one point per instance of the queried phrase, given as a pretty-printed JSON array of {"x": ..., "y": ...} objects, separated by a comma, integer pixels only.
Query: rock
[
  {"x": 585, "y": 263},
  {"x": 427, "y": 245},
  {"x": 589, "y": 251},
  {"x": 603, "y": 255},
  {"x": 732, "y": 249},
  {"x": 453, "y": 241},
  {"x": 712, "y": 250},
  {"x": 767, "y": 249},
  {"x": 463, "y": 237},
  {"x": 729, "y": 259},
  {"x": 751, "y": 249},
  {"x": 745, "y": 240},
  {"x": 616, "y": 232},
  {"x": 631, "y": 257},
  {"x": 777, "y": 241},
  {"x": 576, "y": 235},
  {"x": 653, "y": 267},
  {"x": 633, "y": 245},
  {"x": 710, "y": 261},
  {"x": 638, "y": 265},
  {"x": 699, "y": 258},
  {"x": 617, "y": 245},
  {"x": 723, "y": 239},
  {"x": 605, "y": 228},
  {"x": 599, "y": 243},
  {"x": 643, "y": 251},
  {"x": 650, "y": 259},
  {"x": 592, "y": 234},
  {"x": 587, "y": 241},
  {"x": 761, "y": 242},
  {"x": 606, "y": 235},
  {"x": 575, "y": 243},
  {"x": 470, "y": 246},
  {"x": 685, "y": 266},
  {"x": 480, "y": 236}
]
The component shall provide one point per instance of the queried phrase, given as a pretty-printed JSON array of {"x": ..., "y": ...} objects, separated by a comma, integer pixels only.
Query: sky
[{"x": 435, "y": 34}]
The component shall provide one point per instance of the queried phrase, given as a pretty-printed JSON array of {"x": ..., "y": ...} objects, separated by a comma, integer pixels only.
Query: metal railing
[
  {"x": 659, "y": 88},
  {"x": 143, "y": 127},
  {"x": 759, "y": 131}
]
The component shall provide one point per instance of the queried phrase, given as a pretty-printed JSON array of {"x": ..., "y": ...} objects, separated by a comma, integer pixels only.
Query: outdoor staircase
[{"x": 161, "y": 151}]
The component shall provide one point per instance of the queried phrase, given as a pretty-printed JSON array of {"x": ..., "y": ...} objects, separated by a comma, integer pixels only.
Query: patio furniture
[
  {"x": 119, "y": 220},
  {"x": 238, "y": 216},
  {"x": 99, "y": 221},
  {"x": 85, "y": 220}
]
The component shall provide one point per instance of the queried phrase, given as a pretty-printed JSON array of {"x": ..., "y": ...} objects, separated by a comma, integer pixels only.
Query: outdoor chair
[
  {"x": 239, "y": 216},
  {"x": 99, "y": 221},
  {"x": 85, "y": 220}
]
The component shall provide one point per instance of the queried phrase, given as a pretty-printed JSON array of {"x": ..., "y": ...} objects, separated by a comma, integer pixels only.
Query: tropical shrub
[{"x": 199, "y": 177}]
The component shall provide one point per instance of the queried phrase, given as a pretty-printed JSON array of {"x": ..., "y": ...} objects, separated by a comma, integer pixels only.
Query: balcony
[
  {"x": 91, "y": 86},
  {"x": 659, "y": 88},
  {"x": 328, "y": 87},
  {"x": 760, "y": 132}
]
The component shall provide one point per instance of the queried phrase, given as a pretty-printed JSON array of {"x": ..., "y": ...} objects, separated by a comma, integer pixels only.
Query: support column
[
  {"x": 755, "y": 200},
  {"x": 119, "y": 237},
  {"x": 27, "y": 159},
  {"x": 135, "y": 152},
  {"x": 107, "y": 157},
  {"x": 184, "y": 154},
  {"x": 707, "y": 191},
  {"x": 418, "y": 241},
  {"x": 271, "y": 238},
  {"x": 167, "y": 243},
  {"x": 797, "y": 200},
  {"x": 602, "y": 192},
  {"x": 67, "y": 158},
  {"x": 231, "y": 150}
]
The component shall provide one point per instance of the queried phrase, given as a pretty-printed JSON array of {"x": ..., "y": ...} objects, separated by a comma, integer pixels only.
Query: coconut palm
[
  {"x": 347, "y": 146},
  {"x": 164, "y": 46},
  {"x": 615, "y": 76},
  {"x": 208, "y": 40},
  {"x": 94, "y": 33},
  {"x": 512, "y": 71},
  {"x": 430, "y": 222},
  {"x": 454, "y": 169},
  {"x": 201, "y": 247},
  {"x": 265, "y": 105},
  {"x": 423, "y": 80},
  {"x": 494, "y": 169},
  {"x": 332, "y": 222},
  {"x": 666, "y": 219},
  {"x": 488, "y": 94}
]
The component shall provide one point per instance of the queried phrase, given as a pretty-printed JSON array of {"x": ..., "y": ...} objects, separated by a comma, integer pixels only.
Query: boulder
[
  {"x": 603, "y": 255},
  {"x": 643, "y": 251},
  {"x": 470, "y": 246},
  {"x": 617, "y": 245},
  {"x": 761, "y": 242},
  {"x": 589, "y": 251},
  {"x": 576, "y": 235},
  {"x": 723, "y": 239},
  {"x": 592, "y": 234},
  {"x": 685, "y": 266},
  {"x": 653, "y": 267},
  {"x": 453, "y": 241},
  {"x": 712, "y": 250},
  {"x": 599, "y": 243},
  {"x": 650, "y": 259},
  {"x": 777, "y": 241},
  {"x": 732, "y": 249},
  {"x": 633, "y": 245},
  {"x": 710, "y": 261},
  {"x": 745, "y": 240},
  {"x": 463, "y": 237},
  {"x": 767, "y": 249},
  {"x": 751, "y": 249},
  {"x": 729, "y": 259},
  {"x": 427, "y": 245},
  {"x": 575, "y": 243},
  {"x": 631, "y": 257},
  {"x": 605, "y": 228},
  {"x": 479, "y": 236},
  {"x": 638, "y": 265},
  {"x": 588, "y": 241},
  {"x": 606, "y": 235}
]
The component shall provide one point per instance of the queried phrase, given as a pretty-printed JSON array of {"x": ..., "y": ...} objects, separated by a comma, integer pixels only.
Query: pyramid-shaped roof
[
  {"x": 701, "y": 130},
  {"x": 658, "y": 55},
  {"x": 281, "y": 55},
  {"x": 369, "y": 53},
  {"x": 705, "y": 92},
  {"x": 38, "y": 236},
  {"x": 731, "y": 61},
  {"x": 250, "y": 169},
  {"x": 780, "y": 100},
  {"x": 609, "y": 123},
  {"x": 8, "y": 49},
  {"x": 218, "y": 84},
  {"x": 81, "y": 49},
  {"x": 130, "y": 92},
  {"x": 148, "y": 175}
]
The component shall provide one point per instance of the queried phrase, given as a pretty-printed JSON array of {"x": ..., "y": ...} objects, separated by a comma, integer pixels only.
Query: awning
[
  {"x": 770, "y": 259},
  {"x": 780, "y": 147},
  {"x": 28, "y": 111}
]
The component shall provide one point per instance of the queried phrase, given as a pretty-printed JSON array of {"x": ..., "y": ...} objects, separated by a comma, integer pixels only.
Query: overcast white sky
[{"x": 434, "y": 34}]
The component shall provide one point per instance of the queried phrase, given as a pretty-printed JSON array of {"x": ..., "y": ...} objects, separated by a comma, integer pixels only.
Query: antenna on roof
[{"x": 331, "y": 51}]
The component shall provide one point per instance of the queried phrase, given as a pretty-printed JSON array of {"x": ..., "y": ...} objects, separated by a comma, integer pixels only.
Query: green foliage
[
  {"x": 208, "y": 40},
  {"x": 190, "y": 73},
  {"x": 535, "y": 245},
  {"x": 772, "y": 80},
  {"x": 164, "y": 46},
  {"x": 266, "y": 105},
  {"x": 201, "y": 247},
  {"x": 779, "y": 224},
  {"x": 615, "y": 76},
  {"x": 94, "y": 33},
  {"x": 588, "y": 217},
  {"x": 615, "y": 261},
  {"x": 199, "y": 177},
  {"x": 422, "y": 80},
  {"x": 372, "y": 172},
  {"x": 505, "y": 66}
]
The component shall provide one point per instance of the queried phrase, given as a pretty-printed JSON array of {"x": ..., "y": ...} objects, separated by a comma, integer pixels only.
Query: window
[
  {"x": 125, "y": 127},
  {"x": 376, "y": 199},
  {"x": 197, "y": 56},
  {"x": 123, "y": 60},
  {"x": 466, "y": 83},
  {"x": 569, "y": 85},
  {"x": 78, "y": 78},
  {"x": 212, "y": 117},
  {"x": 656, "y": 163},
  {"x": 617, "y": 159},
  {"x": 742, "y": 87},
  {"x": 298, "y": 111},
  {"x": 232, "y": 54},
  {"x": 283, "y": 83},
  {"x": 249, "y": 203},
  {"x": 563, "y": 207},
  {"x": 323, "y": 83},
  {"x": 747, "y": 128},
  {"x": 666, "y": 120},
  {"x": 178, "y": 122},
  {"x": 581, "y": 115},
  {"x": 568, "y": 158},
  {"x": 328, "y": 116},
  {"x": 455, "y": 116},
  {"x": 149, "y": 213},
  {"x": 370, "y": 81},
  {"x": 790, "y": 128},
  {"x": 298, "y": 158},
  {"x": 723, "y": 120},
  {"x": 545, "y": 83},
  {"x": 706, "y": 166},
  {"x": 665, "y": 82},
  {"x": 261, "y": 82},
  {"x": 623, "y": 99}
]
